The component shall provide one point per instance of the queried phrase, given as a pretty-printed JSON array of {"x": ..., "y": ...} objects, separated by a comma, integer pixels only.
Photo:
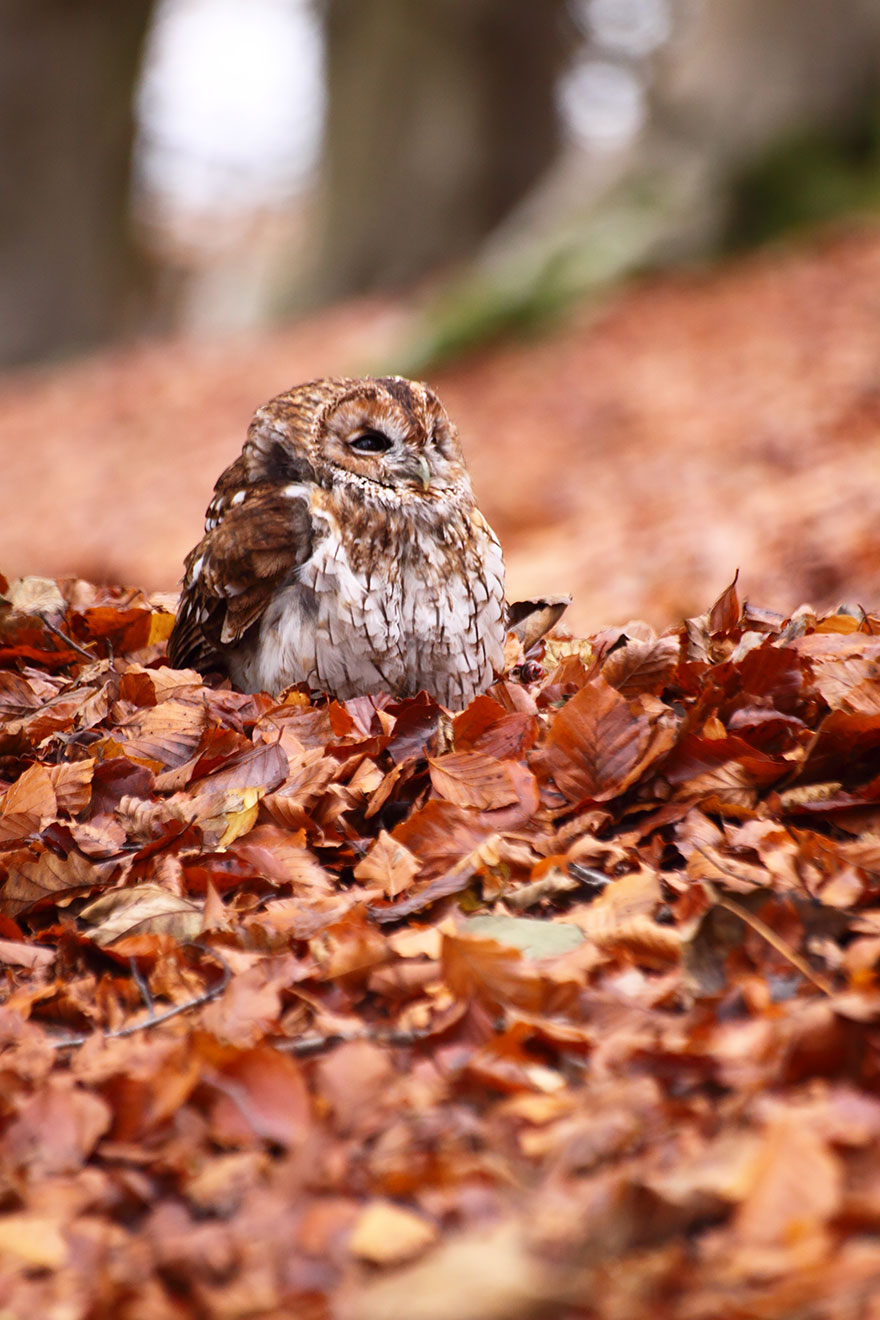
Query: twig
[
  {"x": 305, "y": 1046},
  {"x": 155, "y": 1019},
  {"x": 760, "y": 927},
  {"x": 68, "y": 641},
  {"x": 141, "y": 984}
]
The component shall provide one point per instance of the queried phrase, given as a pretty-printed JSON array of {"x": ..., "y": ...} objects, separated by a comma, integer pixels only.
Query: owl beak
[{"x": 424, "y": 471}]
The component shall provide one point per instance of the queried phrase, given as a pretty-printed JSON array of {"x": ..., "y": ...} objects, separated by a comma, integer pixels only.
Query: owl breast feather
[{"x": 366, "y": 615}]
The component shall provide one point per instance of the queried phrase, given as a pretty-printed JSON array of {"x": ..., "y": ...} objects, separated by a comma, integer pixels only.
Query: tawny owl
[{"x": 343, "y": 548}]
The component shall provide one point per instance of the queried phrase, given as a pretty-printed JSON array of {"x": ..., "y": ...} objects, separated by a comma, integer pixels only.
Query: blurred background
[{"x": 634, "y": 244}]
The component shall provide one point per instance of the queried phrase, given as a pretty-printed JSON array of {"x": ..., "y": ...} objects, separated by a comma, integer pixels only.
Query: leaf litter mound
[{"x": 562, "y": 1005}]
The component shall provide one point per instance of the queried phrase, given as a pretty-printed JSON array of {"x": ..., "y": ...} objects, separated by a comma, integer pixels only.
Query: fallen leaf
[
  {"x": 162, "y": 736},
  {"x": 35, "y": 1240},
  {"x": 56, "y": 1130},
  {"x": 535, "y": 939},
  {"x": 472, "y": 779},
  {"x": 36, "y": 875},
  {"x": 388, "y": 864},
  {"x": 261, "y": 1095},
  {"x": 145, "y": 909},
  {"x": 18, "y": 953},
  {"x": 642, "y": 666},
  {"x": 796, "y": 1186},
  {"x": 388, "y": 1234},
  {"x": 596, "y": 745},
  {"x": 499, "y": 974}
]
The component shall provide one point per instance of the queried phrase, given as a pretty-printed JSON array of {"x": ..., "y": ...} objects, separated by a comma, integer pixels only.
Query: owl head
[{"x": 387, "y": 437}]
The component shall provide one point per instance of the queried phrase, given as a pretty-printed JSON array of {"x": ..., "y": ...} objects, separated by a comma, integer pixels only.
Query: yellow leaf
[
  {"x": 241, "y": 807},
  {"x": 161, "y": 624}
]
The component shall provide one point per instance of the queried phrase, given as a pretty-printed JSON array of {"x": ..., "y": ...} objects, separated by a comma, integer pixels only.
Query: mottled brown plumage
[{"x": 343, "y": 549}]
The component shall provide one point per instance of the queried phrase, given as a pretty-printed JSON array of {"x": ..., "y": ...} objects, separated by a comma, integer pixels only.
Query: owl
[{"x": 343, "y": 549}]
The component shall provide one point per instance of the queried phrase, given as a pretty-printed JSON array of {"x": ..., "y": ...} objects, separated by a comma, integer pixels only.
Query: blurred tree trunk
[
  {"x": 67, "y": 74},
  {"x": 740, "y": 75},
  {"x": 441, "y": 117},
  {"x": 736, "y": 79}
]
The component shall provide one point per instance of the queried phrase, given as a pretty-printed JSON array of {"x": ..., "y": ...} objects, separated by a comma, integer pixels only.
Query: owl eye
[{"x": 371, "y": 442}]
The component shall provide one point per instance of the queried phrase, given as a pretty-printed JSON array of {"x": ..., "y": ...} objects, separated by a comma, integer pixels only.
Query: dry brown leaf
[
  {"x": 499, "y": 974},
  {"x": 261, "y": 1095},
  {"x": 472, "y": 779},
  {"x": 597, "y": 743},
  {"x": 250, "y": 1006},
  {"x": 725, "y": 769},
  {"x": 795, "y": 1188},
  {"x": 147, "y": 909},
  {"x": 488, "y": 1274},
  {"x": 35, "y": 875},
  {"x": 725, "y": 613},
  {"x": 388, "y": 864},
  {"x": 18, "y": 953},
  {"x": 224, "y": 814},
  {"x": 356, "y": 1082},
  {"x": 441, "y": 833},
  {"x": 56, "y": 1130},
  {"x": 32, "y": 797},
  {"x": 622, "y": 918},
  {"x": 72, "y": 782},
  {"x": 162, "y": 736},
  {"x": 307, "y": 779},
  {"x": 642, "y": 666}
]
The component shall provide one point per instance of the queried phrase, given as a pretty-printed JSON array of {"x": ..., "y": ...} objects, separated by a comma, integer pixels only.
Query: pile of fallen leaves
[{"x": 562, "y": 1005}]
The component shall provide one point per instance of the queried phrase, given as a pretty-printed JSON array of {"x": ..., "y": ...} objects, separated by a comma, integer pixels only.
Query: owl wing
[{"x": 257, "y": 537}]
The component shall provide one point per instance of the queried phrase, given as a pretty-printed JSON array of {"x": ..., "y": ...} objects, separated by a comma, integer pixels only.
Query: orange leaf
[
  {"x": 440, "y": 833},
  {"x": 389, "y": 864},
  {"x": 72, "y": 781},
  {"x": 796, "y": 1185},
  {"x": 33, "y": 1240},
  {"x": 166, "y": 735},
  {"x": 725, "y": 613},
  {"x": 17, "y": 953},
  {"x": 642, "y": 666},
  {"x": 36, "y": 874},
  {"x": 262, "y": 1096},
  {"x": 147, "y": 909},
  {"x": 57, "y": 1129},
  {"x": 499, "y": 974},
  {"x": 29, "y": 804},
  {"x": 472, "y": 779},
  {"x": 596, "y": 743}
]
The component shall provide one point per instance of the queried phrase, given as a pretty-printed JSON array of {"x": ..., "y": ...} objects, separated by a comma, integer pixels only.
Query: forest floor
[
  {"x": 636, "y": 455},
  {"x": 565, "y": 1005}
]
